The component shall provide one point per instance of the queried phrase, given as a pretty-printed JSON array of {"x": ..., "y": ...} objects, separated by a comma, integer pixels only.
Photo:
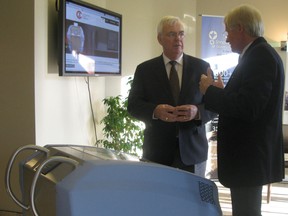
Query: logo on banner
[{"x": 213, "y": 36}]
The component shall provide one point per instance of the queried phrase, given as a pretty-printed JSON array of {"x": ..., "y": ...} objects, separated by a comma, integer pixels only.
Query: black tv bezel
[{"x": 62, "y": 42}]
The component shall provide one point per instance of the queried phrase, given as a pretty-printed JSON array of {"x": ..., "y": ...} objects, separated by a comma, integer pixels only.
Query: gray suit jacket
[{"x": 150, "y": 87}]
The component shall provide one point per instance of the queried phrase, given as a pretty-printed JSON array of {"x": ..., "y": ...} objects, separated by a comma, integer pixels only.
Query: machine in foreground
[{"x": 69, "y": 180}]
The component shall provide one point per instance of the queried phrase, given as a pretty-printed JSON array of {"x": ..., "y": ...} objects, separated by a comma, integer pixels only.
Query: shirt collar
[
  {"x": 245, "y": 49},
  {"x": 167, "y": 60}
]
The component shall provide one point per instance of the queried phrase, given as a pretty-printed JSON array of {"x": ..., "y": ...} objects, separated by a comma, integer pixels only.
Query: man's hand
[
  {"x": 206, "y": 81},
  {"x": 219, "y": 82},
  {"x": 186, "y": 113},
  {"x": 181, "y": 113},
  {"x": 165, "y": 112}
]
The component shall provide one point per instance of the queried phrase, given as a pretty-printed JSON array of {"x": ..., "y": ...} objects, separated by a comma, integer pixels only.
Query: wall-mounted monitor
[{"x": 89, "y": 40}]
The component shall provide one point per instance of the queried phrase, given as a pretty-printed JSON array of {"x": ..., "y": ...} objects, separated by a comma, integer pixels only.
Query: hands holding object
[{"x": 181, "y": 113}]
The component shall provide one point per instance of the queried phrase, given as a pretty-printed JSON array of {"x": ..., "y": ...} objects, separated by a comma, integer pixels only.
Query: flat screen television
[{"x": 89, "y": 39}]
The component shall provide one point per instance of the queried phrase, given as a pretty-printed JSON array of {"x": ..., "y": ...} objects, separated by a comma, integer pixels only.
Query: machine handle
[
  {"x": 38, "y": 172},
  {"x": 9, "y": 168}
]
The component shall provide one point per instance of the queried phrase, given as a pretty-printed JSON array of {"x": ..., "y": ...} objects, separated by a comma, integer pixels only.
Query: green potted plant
[{"x": 122, "y": 132}]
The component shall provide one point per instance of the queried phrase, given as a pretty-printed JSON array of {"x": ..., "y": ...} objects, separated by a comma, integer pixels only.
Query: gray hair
[
  {"x": 168, "y": 20},
  {"x": 247, "y": 16}
]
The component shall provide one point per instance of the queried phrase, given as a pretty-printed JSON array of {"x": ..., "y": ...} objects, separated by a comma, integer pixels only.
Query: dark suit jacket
[
  {"x": 250, "y": 141},
  {"x": 150, "y": 87}
]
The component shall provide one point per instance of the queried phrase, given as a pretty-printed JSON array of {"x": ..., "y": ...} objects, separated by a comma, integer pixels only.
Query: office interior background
[{"x": 39, "y": 107}]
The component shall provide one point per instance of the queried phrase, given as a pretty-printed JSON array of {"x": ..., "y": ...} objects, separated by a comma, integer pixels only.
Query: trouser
[{"x": 246, "y": 201}]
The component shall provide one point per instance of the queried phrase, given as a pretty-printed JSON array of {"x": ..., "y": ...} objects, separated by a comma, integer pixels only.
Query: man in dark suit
[
  {"x": 175, "y": 126},
  {"x": 250, "y": 140}
]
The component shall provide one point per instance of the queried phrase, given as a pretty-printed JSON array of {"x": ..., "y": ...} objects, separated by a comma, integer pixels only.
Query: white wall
[
  {"x": 63, "y": 114},
  {"x": 140, "y": 23}
]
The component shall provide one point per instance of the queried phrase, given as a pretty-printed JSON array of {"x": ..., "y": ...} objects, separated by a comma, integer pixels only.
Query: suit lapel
[
  {"x": 187, "y": 73},
  {"x": 185, "y": 77}
]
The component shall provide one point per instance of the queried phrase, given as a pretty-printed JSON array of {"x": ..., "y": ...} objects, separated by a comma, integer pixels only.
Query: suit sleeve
[{"x": 138, "y": 106}]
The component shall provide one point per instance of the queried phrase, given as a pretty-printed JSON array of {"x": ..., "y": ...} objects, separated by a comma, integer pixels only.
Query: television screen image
[{"x": 89, "y": 40}]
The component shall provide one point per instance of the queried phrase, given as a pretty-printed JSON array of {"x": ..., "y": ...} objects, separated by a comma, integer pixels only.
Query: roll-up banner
[{"x": 215, "y": 49}]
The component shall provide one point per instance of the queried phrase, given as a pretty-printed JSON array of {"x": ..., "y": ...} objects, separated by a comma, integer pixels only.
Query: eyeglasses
[{"x": 175, "y": 34}]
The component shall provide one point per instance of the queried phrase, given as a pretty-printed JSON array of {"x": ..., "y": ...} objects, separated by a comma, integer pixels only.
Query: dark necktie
[{"x": 174, "y": 81}]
